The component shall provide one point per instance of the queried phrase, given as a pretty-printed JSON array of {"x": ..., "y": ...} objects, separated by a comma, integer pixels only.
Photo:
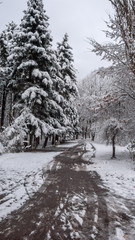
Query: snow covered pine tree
[
  {"x": 6, "y": 44},
  {"x": 36, "y": 104},
  {"x": 70, "y": 91}
]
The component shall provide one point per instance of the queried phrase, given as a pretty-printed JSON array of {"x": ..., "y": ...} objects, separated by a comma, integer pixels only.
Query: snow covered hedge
[{"x": 131, "y": 148}]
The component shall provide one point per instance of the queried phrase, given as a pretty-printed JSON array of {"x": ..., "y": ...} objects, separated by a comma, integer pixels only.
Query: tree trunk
[
  {"x": 113, "y": 147},
  {"x": 11, "y": 111},
  {"x": 25, "y": 142},
  {"x": 45, "y": 142},
  {"x": 85, "y": 132},
  {"x": 53, "y": 139},
  {"x": 57, "y": 138},
  {"x": 77, "y": 135},
  {"x": 3, "y": 106},
  {"x": 31, "y": 139},
  {"x": 37, "y": 141},
  {"x": 93, "y": 136}
]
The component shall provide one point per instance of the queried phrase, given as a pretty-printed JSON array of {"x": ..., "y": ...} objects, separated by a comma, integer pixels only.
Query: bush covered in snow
[
  {"x": 12, "y": 139},
  {"x": 90, "y": 151},
  {"x": 131, "y": 148}
]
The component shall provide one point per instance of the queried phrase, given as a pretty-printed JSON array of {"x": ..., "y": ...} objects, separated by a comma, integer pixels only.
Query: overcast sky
[{"x": 79, "y": 18}]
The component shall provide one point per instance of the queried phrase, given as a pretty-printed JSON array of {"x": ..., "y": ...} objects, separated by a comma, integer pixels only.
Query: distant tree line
[{"x": 107, "y": 96}]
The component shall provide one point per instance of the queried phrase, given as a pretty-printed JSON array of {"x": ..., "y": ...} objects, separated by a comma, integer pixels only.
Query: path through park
[{"x": 73, "y": 203}]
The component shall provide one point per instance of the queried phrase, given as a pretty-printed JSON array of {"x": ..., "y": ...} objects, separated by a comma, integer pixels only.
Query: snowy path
[
  {"x": 80, "y": 198},
  {"x": 69, "y": 205}
]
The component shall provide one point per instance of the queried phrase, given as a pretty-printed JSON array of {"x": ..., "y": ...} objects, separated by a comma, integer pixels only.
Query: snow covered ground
[
  {"x": 21, "y": 175},
  {"x": 70, "y": 144},
  {"x": 118, "y": 174}
]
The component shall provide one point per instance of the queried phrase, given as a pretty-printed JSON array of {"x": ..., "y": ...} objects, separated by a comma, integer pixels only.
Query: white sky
[{"x": 79, "y": 18}]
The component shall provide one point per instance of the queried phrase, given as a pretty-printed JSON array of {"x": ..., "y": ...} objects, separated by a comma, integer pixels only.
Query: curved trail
[{"x": 71, "y": 204}]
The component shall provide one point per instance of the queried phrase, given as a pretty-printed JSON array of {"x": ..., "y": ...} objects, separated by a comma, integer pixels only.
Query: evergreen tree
[
  {"x": 6, "y": 44},
  {"x": 34, "y": 72},
  {"x": 69, "y": 89},
  {"x": 65, "y": 59}
]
